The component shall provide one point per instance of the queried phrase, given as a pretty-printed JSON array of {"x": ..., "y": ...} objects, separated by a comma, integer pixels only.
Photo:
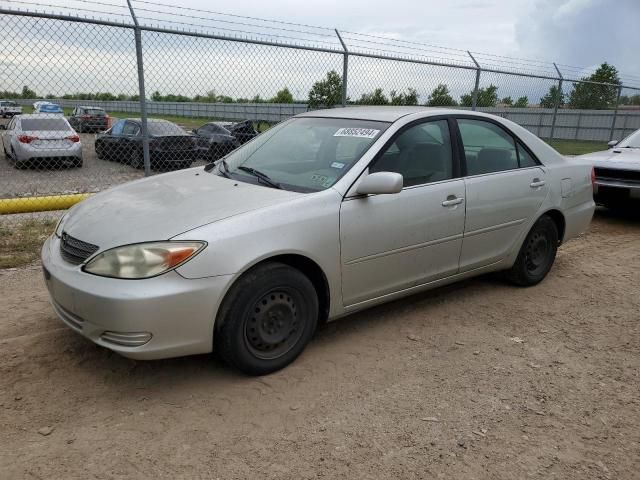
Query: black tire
[
  {"x": 268, "y": 317},
  {"x": 537, "y": 254},
  {"x": 136, "y": 160},
  {"x": 99, "y": 151}
]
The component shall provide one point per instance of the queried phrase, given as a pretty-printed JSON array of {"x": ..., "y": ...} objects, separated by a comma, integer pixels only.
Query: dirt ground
[{"x": 476, "y": 380}]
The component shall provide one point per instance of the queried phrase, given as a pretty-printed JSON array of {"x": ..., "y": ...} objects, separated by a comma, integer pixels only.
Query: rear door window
[
  {"x": 44, "y": 124},
  {"x": 130, "y": 128},
  {"x": 487, "y": 147}
]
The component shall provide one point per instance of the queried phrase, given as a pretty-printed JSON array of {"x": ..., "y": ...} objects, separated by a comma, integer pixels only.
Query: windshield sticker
[
  {"x": 337, "y": 165},
  {"x": 327, "y": 183},
  {"x": 357, "y": 132},
  {"x": 319, "y": 178}
]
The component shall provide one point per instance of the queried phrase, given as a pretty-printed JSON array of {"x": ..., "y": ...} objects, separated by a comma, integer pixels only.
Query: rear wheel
[
  {"x": 537, "y": 254},
  {"x": 268, "y": 317},
  {"x": 136, "y": 160}
]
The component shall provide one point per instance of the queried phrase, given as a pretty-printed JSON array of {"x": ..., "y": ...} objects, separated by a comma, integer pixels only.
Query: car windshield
[
  {"x": 164, "y": 128},
  {"x": 304, "y": 154},
  {"x": 8, "y": 104},
  {"x": 95, "y": 111},
  {"x": 44, "y": 124},
  {"x": 632, "y": 141}
]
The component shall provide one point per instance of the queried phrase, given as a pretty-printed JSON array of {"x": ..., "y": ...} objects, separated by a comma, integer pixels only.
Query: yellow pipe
[{"x": 40, "y": 204}]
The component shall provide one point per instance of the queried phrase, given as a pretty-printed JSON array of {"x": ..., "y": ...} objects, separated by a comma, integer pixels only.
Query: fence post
[
  {"x": 345, "y": 69},
  {"x": 615, "y": 113},
  {"x": 474, "y": 98},
  {"x": 556, "y": 103},
  {"x": 141, "y": 92}
]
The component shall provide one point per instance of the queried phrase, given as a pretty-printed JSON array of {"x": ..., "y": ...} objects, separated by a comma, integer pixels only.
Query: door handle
[
  {"x": 451, "y": 201},
  {"x": 536, "y": 183}
]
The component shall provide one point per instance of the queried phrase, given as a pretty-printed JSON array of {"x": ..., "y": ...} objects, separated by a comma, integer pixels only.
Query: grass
[
  {"x": 577, "y": 147},
  {"x": 20, "y": 243}
]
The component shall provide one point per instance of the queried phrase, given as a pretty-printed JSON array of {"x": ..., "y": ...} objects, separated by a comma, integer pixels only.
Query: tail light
[
  {"x": 593, "y": 177},
  {"x": 26, "y": 138},
  {"x": 73, "y": 138}
]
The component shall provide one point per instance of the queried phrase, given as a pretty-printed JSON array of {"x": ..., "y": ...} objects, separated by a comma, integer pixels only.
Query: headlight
[
  {"x": 58, "y": 230},
  {"x": 143, "y": 260}
]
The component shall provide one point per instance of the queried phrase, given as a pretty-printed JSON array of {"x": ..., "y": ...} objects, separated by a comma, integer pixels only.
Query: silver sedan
[
  {"x": 323, "y": 215},
  {"x": 41, "y": 140}
]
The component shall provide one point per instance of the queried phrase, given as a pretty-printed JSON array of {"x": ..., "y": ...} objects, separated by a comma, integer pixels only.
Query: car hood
[
  {"x": 163, "y": 206},
  {"x": 624, "y": 158}
]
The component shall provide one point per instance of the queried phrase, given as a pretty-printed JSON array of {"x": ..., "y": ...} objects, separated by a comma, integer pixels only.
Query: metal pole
[
  {"x": 556, "y": 104},
  {"x": 474, "y": 97},
  {"x": 345, "y": 69},
  {"x": 615, "y": 113},
  {"x": 143, "y": 97}
]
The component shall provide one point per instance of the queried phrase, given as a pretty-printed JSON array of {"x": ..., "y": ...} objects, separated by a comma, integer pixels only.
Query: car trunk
[{"x": 57, "y": 140}]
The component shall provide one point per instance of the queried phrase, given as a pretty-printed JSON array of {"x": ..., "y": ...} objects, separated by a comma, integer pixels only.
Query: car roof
[
  {"x": 384, "y": 113},
  {"x": 149, "y": 120},
  {"x": 89, "y": 106},
  {"x": 26, "y": 116}
]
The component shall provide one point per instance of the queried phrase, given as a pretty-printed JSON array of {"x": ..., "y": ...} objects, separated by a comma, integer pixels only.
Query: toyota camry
[{"x": 325, "y": 214}]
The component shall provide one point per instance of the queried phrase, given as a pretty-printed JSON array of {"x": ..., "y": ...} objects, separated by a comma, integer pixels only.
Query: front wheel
[
  {"x": 537, "y": 254},
  {"x": 268, "y": 317}
]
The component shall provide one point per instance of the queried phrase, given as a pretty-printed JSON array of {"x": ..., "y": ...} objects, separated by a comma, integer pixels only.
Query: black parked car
[
  {"x": 243, "y": 131},
  {"x": 89, "y": 119},
  {"x": 214, "y": 141},
  {"x": 169, "y": 145}
]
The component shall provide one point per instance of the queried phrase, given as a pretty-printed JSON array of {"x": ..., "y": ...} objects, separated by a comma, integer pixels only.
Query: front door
[{"x": 393, "y": 242}]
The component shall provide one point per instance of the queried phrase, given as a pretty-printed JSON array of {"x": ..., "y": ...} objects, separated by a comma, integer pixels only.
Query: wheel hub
[
  {"x": 273, "y": 325},
  {"x": 537, "y": 252}
]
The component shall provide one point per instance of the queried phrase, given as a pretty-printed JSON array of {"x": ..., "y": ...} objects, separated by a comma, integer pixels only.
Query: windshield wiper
[
  {"x": 260, "y": 175},
  {"x": 224, "y": 170}
]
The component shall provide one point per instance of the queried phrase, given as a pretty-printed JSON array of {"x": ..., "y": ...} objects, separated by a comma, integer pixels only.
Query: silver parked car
[
  {"x": 41, "y": 140},
  {"x": 617, "y": 172},
  {"x": 323, "y": 215}
]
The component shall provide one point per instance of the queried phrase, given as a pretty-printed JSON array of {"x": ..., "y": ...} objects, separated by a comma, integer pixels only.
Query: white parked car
[
  {"x": 41, "y": 140},
  {"x": 9, "y": 108},
  {"x": 617, "y": 172},
  {"x": 328, "y": 213}
]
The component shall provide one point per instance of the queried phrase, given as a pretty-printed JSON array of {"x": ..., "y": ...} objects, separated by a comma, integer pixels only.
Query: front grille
[
  {"x": 75, "y": 251},
  {"x": 616, "y": 174}
]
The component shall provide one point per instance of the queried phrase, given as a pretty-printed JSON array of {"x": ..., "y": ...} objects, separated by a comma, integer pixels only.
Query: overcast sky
[{"x": 579, "y": 33}]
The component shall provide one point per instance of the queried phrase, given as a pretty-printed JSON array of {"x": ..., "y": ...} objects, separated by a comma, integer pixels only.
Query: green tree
[
  {"x": 402, "y": 98},
  {"x": 440, "y": 97},
  {"x": 283, "y": 96},
  {"x": 507, "y": 101},
  {"x": 521, "y": 102},
  {"x": 597, "y": 97},
  {"x": 327, "y": 92},
  {"x": 28, "y": 93},
  {"x": 376, "y": 97},
  {"x": 487, "y": 97},
  {"x": 553, "y": 95},
  {"x": 156, "y": 96}
]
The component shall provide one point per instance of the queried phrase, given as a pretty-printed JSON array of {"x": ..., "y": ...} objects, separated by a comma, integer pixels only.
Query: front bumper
[{"x": 160, "y": 317}]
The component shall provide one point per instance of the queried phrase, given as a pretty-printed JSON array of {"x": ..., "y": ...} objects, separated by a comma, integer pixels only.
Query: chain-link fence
[{"x": 88, "y": 103}]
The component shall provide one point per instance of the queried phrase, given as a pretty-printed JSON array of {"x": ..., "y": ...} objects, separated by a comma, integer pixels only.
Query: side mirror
[
  {"x": 380, "y": 183},
  {"x": 195, "y": 130},
  {"x": 613, "y": 143}
]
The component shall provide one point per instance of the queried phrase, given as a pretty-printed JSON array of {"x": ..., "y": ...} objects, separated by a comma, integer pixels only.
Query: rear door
[{"x": 505, "y": 186}]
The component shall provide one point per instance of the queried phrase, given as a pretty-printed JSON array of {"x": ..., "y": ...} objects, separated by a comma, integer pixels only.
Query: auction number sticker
[{"x": 357, "y": 132}]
